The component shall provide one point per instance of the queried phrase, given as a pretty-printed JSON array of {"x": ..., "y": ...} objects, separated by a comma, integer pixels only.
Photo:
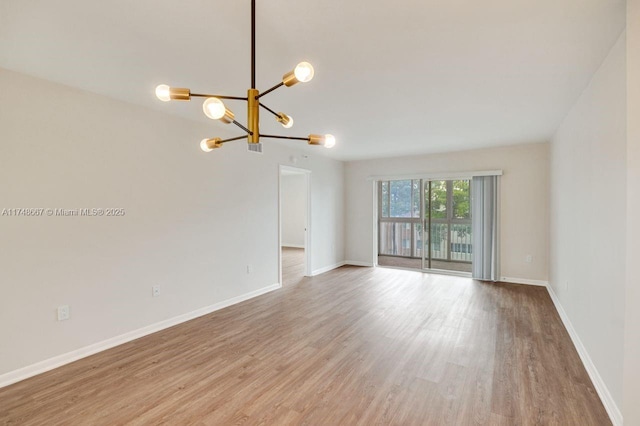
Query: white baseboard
[
  {"x": 327, "y": 269},
  {"x": 60, "y": 360},
  {"x": 358, "y": 263},
  {"x": 292, "y": 246},
  {"x": 601, "y": 388},
  {"x": 524, "y": 281}
]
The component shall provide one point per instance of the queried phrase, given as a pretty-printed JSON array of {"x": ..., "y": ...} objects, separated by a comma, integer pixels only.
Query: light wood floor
[
  {"x": 356, "y": 345},
  {"x": 292, "y": 265}
]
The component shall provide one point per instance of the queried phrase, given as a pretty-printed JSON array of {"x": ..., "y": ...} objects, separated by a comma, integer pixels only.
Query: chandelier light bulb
[
  {"x": 329, "y": 141},
  {"x": 214, "y": 108},
  {"x": 205, "y": 146},
  {"x": 208, "y": 145},
  {"x": 163, "y": 92},
  {"x": 304, "y": 72},
  {"x": 285, "y": 120}
]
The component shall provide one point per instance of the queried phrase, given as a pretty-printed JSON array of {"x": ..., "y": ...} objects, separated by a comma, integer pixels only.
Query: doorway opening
[
  {"x": 294, "y": 253},
  {"x": 425, "y": 224}
]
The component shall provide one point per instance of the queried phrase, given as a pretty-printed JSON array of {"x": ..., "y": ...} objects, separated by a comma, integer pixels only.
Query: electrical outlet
[
  {"x": 64, "y": 312},
  {"x": 566, "y": 285},
  {"x": 249, "y": 269},
  {"x": 155, "y": 291},
  {"x": 528, "y": 258}
]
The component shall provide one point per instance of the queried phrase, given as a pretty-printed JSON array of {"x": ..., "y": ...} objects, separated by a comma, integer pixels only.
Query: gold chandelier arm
[
  {"x": 285, "y": 137},
  {"x": 237, "y": 138},
  {"x": 270, "y": 90},
  {"x": 208, "y": 145},
  {"x": 205, "y": 95},
  {"x": 242, "y": 127},
  {"x": 270, "y": 110}
]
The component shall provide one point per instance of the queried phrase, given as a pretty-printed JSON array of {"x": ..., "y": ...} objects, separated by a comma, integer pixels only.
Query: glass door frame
[
  {"x": 413, "y": 221},
  {"x": 450, "y": 221},
  {"x": 425, "y": 221}
]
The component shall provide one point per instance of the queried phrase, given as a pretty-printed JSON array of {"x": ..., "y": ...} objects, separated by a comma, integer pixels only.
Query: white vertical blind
[{"x": 484, "y": 213}]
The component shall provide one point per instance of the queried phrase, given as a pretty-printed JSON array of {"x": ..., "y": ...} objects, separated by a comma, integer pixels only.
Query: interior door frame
[{"x": 307, "y": 234}]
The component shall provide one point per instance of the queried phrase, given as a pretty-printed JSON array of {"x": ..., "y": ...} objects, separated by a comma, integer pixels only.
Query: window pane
[
  {"x": 400, "y": 198},
  {"x": 461, "y": 249},
  {"x": 439, "y": 199},
  {"x": 425, "y": 245},
  {"x": 461, "y": 199},
  {"x": 385, "y": 199},
  {"x": 417, "y": 239},
  {"x": 395, "y": 239},
  {"x": 416, "y": 198},
  {"x": 439, "y": 240}
]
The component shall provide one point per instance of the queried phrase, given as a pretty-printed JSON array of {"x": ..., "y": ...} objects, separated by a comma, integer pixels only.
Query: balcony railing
[{"x": 450, "y": 241}]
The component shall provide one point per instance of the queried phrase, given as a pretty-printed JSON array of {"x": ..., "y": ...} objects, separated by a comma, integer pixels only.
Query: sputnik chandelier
[{"x": 215, "y": 109}]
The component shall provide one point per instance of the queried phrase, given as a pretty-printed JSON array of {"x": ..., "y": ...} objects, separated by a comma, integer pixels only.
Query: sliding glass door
[
  {"x": 448, "y": 217},
  {"x": 400, "y": 215},
  {"x": 425, "y": 224}
]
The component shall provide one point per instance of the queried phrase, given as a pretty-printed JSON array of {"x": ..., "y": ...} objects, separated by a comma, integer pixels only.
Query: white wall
[
  {"x": 293, "y": 202},
  {"x": 524, "y": 207},
  {"x": 588, "y": 217},
  {"x": 631, "y": 408},
  {"x": 193, "y": 221}
]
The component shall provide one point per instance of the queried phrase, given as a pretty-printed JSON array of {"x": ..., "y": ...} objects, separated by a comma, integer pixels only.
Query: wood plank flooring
[
  {"x": 292, "y": 265},
  {"x": 354, "y": 346}
]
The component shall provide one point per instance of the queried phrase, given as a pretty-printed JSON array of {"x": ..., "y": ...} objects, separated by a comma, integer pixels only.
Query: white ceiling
[{"x": 392, "y": 78}]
